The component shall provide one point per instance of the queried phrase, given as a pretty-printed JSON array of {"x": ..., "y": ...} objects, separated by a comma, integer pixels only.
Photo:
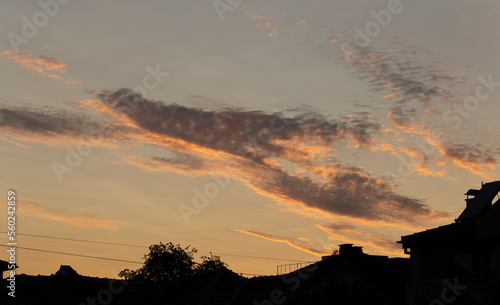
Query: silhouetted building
[
  {"x": 350, "y": 250},
  {"x": 67, "y": 271},
  {"x": 67, "y": 287},
  {"x": 351, "y": 277},
  {"x": 470, "y": 246},
  {"x": 467, "y": 249},
  {"x": 4, "y": 266}
]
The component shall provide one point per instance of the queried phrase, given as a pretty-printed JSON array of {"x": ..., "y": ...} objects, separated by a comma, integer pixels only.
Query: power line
[
  {"x": 137, "y": 246},
  {"x": 94, "y": 257},
  {"x": 74, "y": 254},
  {"x": 256, "y": 257},
  {"x": 79, "y": 240}
]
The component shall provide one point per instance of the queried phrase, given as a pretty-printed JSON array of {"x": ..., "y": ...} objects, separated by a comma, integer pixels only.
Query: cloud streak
[
  {"x": 41, "y": 64},
  {"x": 60, "y": 128},
  {"x": 416, "y": 89},
  {"x": 292, "y": 243},
  {"x": 256, "y": 146},
  {"x": 344, "y": 233},
  {"x": 289, "y": 157},
  {"x": 78, "y": 220}
]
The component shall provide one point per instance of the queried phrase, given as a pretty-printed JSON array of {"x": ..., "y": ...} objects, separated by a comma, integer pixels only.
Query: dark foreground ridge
[{"x": 351, "y": 277}]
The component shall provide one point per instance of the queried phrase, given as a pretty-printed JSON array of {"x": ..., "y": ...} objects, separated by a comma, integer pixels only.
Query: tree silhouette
[
  {"x": 169, "y": 262},
  {"x": 210, "y": 263}
]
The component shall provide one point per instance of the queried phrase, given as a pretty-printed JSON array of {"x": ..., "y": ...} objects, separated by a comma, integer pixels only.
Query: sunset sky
[{"x": 251, "y": 128}]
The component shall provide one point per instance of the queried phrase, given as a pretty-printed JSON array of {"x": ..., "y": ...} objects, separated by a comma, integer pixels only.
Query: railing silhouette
[{"x": 287, "y": 268}]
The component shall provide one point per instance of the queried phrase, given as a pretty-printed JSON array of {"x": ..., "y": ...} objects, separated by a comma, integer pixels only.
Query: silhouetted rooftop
[
  {"x": 67, "y": 271},
  {"x": 482, "y": 200},
  {"x": 338, "y": 277}
]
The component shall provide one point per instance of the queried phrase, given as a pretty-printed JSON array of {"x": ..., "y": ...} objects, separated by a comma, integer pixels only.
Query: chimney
[
  {"x": 471, "y": 192},
  {"x": 348, "y": 249}
]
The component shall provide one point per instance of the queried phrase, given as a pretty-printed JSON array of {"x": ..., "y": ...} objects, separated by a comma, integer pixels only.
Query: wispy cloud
[
  {"x": 264, "y": 23},
  {"x": 232, "y": 137},
  {"x": 59, "y": 128},
  {"x": 53, "y": 48},
  {"x": 416, "y": 88},
  {"x": 299, "y": 244},
  {"x": 290, "y": 158},
  {"x": 239, "y": 133},
  {"x": 344, "y": 233},
  {"x": 41, "y": 64},
  {"x": 338, "y": 233},
  {"x": 478, "y": 161},
  {"x": 79, "y": 220}
]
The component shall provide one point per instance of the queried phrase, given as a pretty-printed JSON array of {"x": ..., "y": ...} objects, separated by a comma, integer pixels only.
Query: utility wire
[
  {"x": 257, "y": 257},
  {"x": 95, "y": 257},
  {"x": 74, "y": 254},
  {"x": 137, "y": 246},
  {"x": 79, "y": 240}
]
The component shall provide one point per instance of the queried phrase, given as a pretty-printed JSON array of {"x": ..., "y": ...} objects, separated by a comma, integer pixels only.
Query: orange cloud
[
  {"x": 264, "y": 23},
  {"x": 350, "y": 235},
  {"x": 382, "y": 147},
  {"x": 289, "y": 242},
  {"x": 14, "y": 142},
  {"x": 41, "y": 64},
  {"x": 425, "y": 170},
  {"x": 295, "y": 164},
  {"x": 470, "y": 157},
  {"x": 44, "y": 65},
  {"x": 79, "y": 220}
]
